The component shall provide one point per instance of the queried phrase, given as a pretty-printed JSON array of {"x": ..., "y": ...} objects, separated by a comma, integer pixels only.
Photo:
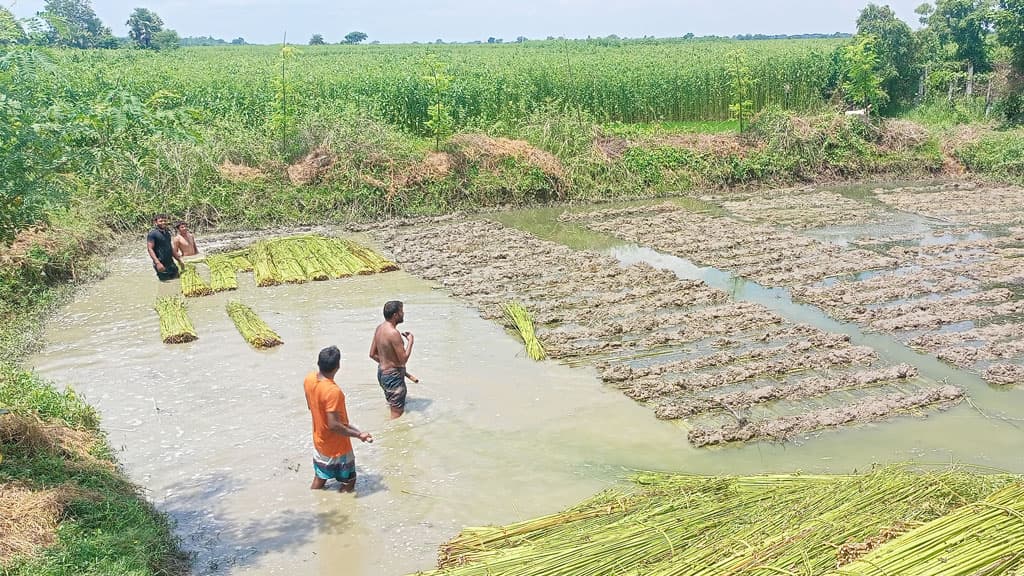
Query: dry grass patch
[
  {"x": 896, "y": 135},
  {"x": 312, "y": 168},
  {"x": 33, "y": 434},
  {"x": 239, "y": 172},
  {"x": 488, "y": 151},
  {"x": 29, "y": 518}
]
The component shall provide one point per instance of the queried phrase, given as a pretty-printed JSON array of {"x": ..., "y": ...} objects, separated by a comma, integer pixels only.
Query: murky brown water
[{"x": 218, "y": 433}]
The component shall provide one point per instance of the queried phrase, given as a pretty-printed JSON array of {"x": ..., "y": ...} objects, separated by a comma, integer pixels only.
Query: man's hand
[
  {"x": 366, "y": 437},
  {"x": 160, "y": 266},
  {"x": 407, "y": 335}
]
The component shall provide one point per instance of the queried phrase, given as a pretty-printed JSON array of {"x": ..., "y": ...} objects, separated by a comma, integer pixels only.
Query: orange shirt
[{"x": 323, "y": 396}]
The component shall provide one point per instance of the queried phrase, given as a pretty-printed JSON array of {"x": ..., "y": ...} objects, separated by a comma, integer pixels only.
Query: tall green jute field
[{"x": 629, "y": 81}]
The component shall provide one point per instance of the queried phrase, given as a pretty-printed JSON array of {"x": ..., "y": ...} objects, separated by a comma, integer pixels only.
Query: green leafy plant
[
  {"x": 863, "y": 81},
  {"x": 440, "y": 124},
  {"x": 741, "y": 85}
]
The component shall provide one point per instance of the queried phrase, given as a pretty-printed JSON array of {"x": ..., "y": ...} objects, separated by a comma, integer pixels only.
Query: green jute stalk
[
  {"x": 287, "y": 264},
  {"x": 263, "y": 265},
  {"x": 685, "y": 525},
  {"x": 520, "y": 320},
  {"x": 305, "y": 252},
  {"x": 252, "y": 328},
  {"x": 175, "y": 326},
  {"x": 191, "y": 284},
  {"x": 985, "y": 537}
]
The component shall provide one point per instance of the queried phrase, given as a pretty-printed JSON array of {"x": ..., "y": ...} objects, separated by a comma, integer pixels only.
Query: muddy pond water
[{"x": 218, "y": 433}]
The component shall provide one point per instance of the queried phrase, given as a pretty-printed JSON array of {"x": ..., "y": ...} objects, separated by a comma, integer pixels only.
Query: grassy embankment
[{"x": 102, "y": 140}]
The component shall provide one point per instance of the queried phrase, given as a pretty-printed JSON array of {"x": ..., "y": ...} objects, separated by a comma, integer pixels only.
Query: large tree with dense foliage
[
  {"x": 963, "y": 26},
  {"x": 355, "y": 37},
  {"x": 142, "y": 25},
  {"x": 11, "y": 31},
  {"x": 894, "y": 45},
  {"x": 1010, "y": 24},
  {"x": 74, "y": 23}
]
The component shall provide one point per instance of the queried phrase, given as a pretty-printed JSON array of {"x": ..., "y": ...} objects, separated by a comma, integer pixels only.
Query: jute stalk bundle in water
[
  {"x": 681, "y": 525},
  {"x": 303, "y": 248},
  {"x": 374, "y": 261},
  {"x": 520, "y": 320},
  {"x": 222, "y": 273},
  {"x": 241, "y": 261},
  {"x": 288, "y": 267},
  {"x": 254, "y": 330},
  {"x": 263, "y": 266},
  {"x": 191, "y": 284},
  {"x": 175, "y": 326}
]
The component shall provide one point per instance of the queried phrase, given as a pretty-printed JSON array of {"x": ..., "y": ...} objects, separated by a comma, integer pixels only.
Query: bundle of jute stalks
[
  {"x": 175, "y": 326},
  {"x": 519, "y": 320},
  {"x": 252, "y": 328},
  {"x": 683, "y": 525},
  {"x": 191, "y": 284},
  {"x": 298, "y": 259},
  {"x": 222, "y": 273}
]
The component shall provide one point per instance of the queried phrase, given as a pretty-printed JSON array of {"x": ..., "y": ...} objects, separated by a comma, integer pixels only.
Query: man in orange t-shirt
[{"x": 332, "y": 454}]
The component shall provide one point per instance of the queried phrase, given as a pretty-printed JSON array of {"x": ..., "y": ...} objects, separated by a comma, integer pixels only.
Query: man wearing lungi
[
  {"x": 332, "y": 447},
  {"x": 391, "y": 354}
]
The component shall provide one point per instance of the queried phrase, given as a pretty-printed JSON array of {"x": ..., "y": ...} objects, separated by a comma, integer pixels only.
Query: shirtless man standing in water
[
  {"x": 391, "y": 354},
  {"x": 184, "y": 243}
]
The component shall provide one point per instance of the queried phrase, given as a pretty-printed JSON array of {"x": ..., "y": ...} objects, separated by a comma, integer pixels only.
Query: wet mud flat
[
  {"x": 759, "y": 252},
  {"x": 726, "y": 370},
  {"x": 801, "y": 208},
  {"x": 954, "y": 290}
]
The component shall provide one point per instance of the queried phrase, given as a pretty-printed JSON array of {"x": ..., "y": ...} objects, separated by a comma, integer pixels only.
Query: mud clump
[
  {"x": 870, "y": 409},
  {"x": 1005, "y": 374},
  {"x": 651, "y": 334},
  {"x": 802, "y": 209}
]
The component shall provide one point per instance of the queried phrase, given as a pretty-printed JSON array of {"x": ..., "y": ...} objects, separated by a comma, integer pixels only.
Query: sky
[{"x": 393, "y": 21}]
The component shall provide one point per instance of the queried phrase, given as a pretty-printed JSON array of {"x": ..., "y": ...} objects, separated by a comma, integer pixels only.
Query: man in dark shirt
[{"x": 158, "y": 244}]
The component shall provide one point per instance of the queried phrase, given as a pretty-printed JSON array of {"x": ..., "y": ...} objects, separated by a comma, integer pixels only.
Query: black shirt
[{"x": 161, "y": 240}]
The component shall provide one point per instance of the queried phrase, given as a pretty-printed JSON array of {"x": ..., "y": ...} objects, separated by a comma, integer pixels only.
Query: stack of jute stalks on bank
[
  {"x": 191, "y": 284},
  {"x": 519, "y": 319},
  {"x": 175, "y": 326},
  {"x": 682, "y": 525},
  {"x": 222, "y": 273},
  {"x": 252, "y": 328},
  {"x": 981, "y": 538}
]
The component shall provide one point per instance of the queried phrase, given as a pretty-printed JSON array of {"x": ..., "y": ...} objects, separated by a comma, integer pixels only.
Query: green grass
[
  {"x": 109, "y": 529},
  {"x": 667, "y": 128}
]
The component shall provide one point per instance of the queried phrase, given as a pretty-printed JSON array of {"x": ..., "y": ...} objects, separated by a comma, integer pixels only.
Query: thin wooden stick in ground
[
  {"x": 175, "y": 326},
  {"x": 253, "y": 329}
]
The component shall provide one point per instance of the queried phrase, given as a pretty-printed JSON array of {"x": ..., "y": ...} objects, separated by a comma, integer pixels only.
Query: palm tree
[{"x": 142, "y": 24}]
